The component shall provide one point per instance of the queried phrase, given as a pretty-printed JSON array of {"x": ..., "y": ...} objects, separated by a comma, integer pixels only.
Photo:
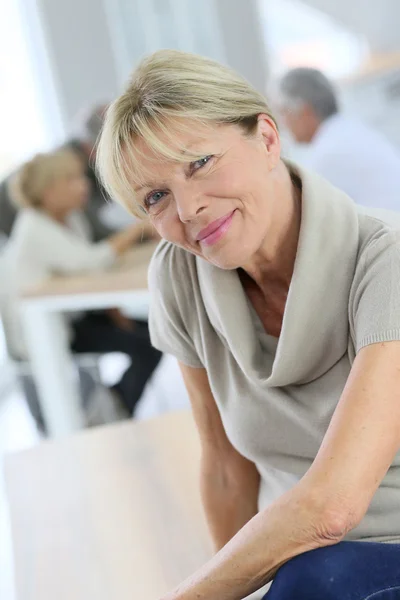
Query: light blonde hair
[
  {"x": 35, "y": 176},
  {"x": 167, "y": 85}
]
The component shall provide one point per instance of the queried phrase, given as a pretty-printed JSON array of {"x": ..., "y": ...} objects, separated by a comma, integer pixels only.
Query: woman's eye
[
  {"x": 153, "y": 198},
  {"x": 198, "y": 164}
]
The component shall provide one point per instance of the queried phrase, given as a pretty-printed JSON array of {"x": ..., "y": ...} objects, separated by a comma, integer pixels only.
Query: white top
[
  {"x": 358, "y": 160},
  {"x": 39, "y": 248}
]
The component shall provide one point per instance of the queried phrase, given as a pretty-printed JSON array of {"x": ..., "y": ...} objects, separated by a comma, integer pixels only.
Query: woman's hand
[
  {"x": 120, "y": 320},
  {"x": 124, "y": 240}
]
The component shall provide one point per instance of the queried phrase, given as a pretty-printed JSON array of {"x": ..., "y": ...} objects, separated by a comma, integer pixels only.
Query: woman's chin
[{"x": 226, "y": 258}]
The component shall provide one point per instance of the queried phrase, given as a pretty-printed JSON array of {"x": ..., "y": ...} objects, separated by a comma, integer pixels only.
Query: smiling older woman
[{"x": 282, "y": 304}]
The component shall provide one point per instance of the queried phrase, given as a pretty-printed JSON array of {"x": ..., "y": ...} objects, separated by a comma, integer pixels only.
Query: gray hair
[{"x": 309, "y": 86}]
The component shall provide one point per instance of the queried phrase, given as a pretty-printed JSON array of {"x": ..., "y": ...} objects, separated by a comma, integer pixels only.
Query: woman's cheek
[{"x": 166, "y": 227}]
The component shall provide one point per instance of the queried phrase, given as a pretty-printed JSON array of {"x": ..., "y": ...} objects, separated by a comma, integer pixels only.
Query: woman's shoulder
[
  {"x": 375, "y": 292},
  {"x": 175, "y": 301},
  {"x": 32, "y": 217},
  {"x": 389, "y": 218},
  {"x": 29, "y": 222},
  {"x": 171, "y": 267},
  {"x": 378, "y": 234},
  {"x": 25, "y": 216}
]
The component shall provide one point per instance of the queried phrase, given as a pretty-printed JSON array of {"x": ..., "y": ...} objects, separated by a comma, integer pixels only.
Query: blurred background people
[
  {"x": 344, "y": 150},
  {"x": 51, "y": 237},
  {"x": 85, "y": 149},
  {"x": 85, "y": 146}
]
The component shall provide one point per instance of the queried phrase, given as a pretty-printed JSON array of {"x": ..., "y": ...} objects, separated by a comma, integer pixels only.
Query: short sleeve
[
  {"x": 169, "y": 284},
  {"x": 375, "y": 298}
]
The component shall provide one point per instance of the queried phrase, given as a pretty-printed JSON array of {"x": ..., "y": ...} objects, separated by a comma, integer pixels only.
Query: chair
[{"x": 94, "y": 400}]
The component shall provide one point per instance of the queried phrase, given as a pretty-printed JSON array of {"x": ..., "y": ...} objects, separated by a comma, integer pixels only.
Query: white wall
[
  {"x": 141, "y": 27},
  {"x": 94, "y": 44},
  {"x": 226, "y": 30},
  {"x": 243, "y": 40},
  {"x": 378, "y": 20},
  {"x": 80, "y": 53}
]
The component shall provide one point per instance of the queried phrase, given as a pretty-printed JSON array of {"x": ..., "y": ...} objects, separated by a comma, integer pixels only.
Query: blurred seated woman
[{"x": 50, "y": 237}]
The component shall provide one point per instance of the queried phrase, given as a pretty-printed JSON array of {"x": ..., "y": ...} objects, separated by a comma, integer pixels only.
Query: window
[
  {"x": 300, "y": 35},
  {"x": 29, "y": 121},
  {"x": 139, "y": 27}
]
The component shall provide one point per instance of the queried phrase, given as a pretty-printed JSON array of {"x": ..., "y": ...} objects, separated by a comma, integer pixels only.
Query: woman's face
[
  {"x": 68, "y": 192},
  {"x": 222, "y": 206}
]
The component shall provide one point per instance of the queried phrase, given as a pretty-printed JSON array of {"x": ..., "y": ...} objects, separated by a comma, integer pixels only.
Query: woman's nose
[{"x": 190, "y": 203}]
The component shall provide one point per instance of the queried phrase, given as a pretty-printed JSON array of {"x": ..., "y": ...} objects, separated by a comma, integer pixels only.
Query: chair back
[{"x": 5, "y": 318}]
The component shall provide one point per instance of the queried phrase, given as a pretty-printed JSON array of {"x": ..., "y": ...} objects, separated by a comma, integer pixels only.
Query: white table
[{"x": 49, "y": 354}]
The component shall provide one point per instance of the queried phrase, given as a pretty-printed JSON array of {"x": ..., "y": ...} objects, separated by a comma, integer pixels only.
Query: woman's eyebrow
[
  {"x": 141, "y": 187},
  {"x": 187, "y": 148},
  {"x": 150, "y": 184}
]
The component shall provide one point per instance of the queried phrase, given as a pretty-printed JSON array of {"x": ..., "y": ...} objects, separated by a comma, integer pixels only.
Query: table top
[
  {"x": 113, "y": 512},
  {"x": 127, "y": 274}
]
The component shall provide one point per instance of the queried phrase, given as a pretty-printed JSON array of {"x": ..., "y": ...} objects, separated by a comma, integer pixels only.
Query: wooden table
[
  {"x": 108, "y": 514},
  {"x": 129, "y": 272},
  {"x": 42, "y": 307}
]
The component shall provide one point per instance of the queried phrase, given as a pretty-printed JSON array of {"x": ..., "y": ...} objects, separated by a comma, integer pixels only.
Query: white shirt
[
  {"x": 358, "y": 160},
  {"x": 39, "y": 248}
]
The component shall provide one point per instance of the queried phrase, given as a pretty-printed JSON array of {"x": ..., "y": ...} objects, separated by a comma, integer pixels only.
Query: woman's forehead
[
  {"x": 177, "y": 137},
  {"x": 175, "y": 145}
]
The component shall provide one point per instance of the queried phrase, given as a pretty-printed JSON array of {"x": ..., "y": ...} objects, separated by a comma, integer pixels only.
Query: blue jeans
[{"x": 347, "y": 571}]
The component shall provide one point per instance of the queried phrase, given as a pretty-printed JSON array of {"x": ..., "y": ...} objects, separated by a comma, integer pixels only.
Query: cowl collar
[{"x": 314, "y": 333}]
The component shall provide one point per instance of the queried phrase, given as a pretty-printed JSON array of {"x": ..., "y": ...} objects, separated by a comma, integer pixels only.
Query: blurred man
[
  {"x": 85, "y": 147},
  {"x": 350, "y": 154}
]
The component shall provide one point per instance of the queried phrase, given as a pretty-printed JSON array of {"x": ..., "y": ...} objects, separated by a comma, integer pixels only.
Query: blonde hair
[
  {"x": 169, "y": 84},
  {"x": 36, "y": 175}
]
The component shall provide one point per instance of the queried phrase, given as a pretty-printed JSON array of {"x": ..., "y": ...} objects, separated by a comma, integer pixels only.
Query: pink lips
[{"x": 215, "y": 230}]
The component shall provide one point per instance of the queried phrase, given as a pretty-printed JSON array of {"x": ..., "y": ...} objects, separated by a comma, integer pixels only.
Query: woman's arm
[
  {"x": 229, "y": 482},
  {"x": 121, "y": 242},
  {"x": 332, "y": 498},
  {"x": 65, "y": 253}
]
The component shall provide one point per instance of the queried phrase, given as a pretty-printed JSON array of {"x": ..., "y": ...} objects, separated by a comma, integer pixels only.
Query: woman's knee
[{"x": 313, "y": 575}]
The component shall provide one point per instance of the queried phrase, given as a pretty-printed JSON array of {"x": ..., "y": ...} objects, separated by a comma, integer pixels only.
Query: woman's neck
[{"x": 274, "y": 262}]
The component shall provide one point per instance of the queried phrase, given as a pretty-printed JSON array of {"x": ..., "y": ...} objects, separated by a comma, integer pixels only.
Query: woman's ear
[{"x": 269, "y": 135}]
